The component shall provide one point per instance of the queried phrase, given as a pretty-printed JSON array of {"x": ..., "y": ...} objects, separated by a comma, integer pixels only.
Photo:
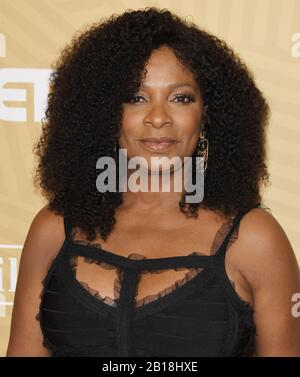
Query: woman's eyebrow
[{"x": 172, "y": 86}]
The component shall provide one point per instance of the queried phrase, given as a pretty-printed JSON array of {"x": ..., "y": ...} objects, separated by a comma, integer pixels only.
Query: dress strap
[
  {"x": 223, "y": 247},
  {"x": 68, "y": 228}
]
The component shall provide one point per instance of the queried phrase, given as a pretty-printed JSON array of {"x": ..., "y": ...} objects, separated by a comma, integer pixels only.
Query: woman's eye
[
  {"x": 184, "y": 98},
  {"x": 132, "y": 99}
]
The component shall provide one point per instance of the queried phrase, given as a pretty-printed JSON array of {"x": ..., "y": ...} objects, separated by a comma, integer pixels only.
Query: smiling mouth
[{"x": 158, "y": 145}]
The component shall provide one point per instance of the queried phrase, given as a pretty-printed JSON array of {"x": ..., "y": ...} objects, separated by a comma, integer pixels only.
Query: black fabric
[{"x": 202, "y": 317}]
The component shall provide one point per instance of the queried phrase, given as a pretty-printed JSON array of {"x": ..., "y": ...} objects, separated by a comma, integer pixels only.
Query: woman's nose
[{"x": 158, "y": 117}]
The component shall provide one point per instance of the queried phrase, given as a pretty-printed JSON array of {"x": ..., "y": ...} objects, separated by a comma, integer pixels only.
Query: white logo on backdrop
[
  {"x": 9, "y": 274},
  {"x": 40, "y": 80},
  {"x": 295, "y": 50},
  {"x": 2, "y": 45}
]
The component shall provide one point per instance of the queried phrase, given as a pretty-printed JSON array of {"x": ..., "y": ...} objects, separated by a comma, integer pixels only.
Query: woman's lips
[{"x": 158, "y": 146}]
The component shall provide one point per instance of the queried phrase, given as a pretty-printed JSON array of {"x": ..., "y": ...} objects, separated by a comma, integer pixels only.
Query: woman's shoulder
[
  {"x": 47, "y": 224},
  {"x": 45, "y": 237},
  {"x": 263, "y": 233},
  {"x": 263, "y": 248}
]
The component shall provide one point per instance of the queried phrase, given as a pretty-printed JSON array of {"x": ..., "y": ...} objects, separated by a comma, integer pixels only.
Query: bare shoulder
[
  {"x": 46, "y": 234},
  {"x": 264, "y": 246},
  {"x": 260, "y": 225},
  {"x": 46, "y": 221}
]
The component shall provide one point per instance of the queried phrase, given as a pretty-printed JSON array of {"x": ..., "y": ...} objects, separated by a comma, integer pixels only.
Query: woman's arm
[
  {"x": 43, "y": 241},
  {"x": 268, "y": 262}
]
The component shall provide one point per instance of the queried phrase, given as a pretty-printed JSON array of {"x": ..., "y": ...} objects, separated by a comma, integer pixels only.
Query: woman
[{"x": 148, "y": 273}]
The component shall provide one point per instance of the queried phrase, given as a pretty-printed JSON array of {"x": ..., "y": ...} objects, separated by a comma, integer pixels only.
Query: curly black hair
[{"x": 100, "y": 69}]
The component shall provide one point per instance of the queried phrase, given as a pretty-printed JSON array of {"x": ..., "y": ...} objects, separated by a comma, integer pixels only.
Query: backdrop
[{"x": 265, "y": 33}]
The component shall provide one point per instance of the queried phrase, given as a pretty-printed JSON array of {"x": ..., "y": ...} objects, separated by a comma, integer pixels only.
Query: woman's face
[{"x": 168, "y": 104}]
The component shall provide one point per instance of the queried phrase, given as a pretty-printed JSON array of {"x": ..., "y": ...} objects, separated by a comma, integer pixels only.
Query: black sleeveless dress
[{"x": 200, "y": 315}]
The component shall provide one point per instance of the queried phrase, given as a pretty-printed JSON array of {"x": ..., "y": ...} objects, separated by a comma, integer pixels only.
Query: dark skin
[{"x": 261, "y": 261}]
